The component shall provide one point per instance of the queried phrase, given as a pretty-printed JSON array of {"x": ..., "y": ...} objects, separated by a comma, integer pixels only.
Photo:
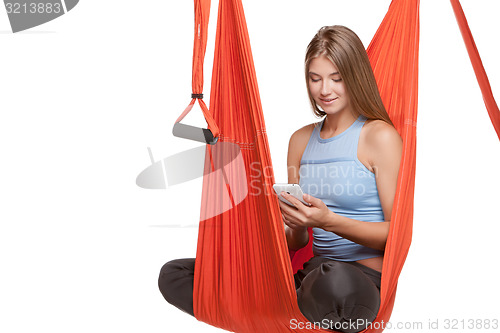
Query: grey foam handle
[{"x": 194, "y": 133}]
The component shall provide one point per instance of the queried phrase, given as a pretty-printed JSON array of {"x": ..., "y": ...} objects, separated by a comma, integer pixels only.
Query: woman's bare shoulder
[
  {"x": 301, "y": 136},
  {"x": 380, "y": 144},
  {"x": 380, "y": 134},
  {"x": 296, "y": 147}
]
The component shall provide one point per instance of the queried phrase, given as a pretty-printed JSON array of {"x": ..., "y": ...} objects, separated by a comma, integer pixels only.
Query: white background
[{"x": 83, "y": 96}]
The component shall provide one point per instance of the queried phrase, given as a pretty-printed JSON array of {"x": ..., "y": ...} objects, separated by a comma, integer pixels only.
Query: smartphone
[{"x": 292, "y": 189}]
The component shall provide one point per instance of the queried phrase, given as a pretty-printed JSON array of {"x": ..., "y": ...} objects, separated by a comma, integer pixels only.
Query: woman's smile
[{"x": 328, "y": 101}]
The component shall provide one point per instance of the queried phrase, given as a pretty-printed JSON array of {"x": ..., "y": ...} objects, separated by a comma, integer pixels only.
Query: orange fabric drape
[
  {"x": 243, "y": 275},
  {"x": 477, "y": 64}
]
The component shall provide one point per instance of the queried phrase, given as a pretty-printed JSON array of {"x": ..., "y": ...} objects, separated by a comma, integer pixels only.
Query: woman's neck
[{"x": 337, "y": 123}]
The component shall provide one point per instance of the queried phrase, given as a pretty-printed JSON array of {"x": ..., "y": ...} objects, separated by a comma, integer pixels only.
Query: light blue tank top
[{"x": 330, "y": 170}]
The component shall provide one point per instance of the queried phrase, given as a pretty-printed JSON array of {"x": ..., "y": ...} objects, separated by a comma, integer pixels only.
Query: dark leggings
[{"x": 342, "y": 296}]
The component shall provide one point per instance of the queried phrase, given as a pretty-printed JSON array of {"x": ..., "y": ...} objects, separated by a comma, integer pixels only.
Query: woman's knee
[
  {"x": 176, "y": 283},
  {"x": 339, "y": 293}
]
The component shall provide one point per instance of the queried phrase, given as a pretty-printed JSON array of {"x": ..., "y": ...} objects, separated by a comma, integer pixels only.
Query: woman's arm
[
  {"x": 296, "y": 236},
  {"x": 385, "y": 147}
]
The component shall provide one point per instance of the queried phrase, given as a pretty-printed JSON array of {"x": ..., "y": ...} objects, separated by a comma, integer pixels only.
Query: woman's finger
[
  {"x": 291, "y": 225},
  {"x": 296, "y": 202},
  {"x": 298, "y": 205}
]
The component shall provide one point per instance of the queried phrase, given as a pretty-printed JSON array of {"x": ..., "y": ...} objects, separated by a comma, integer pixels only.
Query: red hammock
[{"x": 243, "y": 274}]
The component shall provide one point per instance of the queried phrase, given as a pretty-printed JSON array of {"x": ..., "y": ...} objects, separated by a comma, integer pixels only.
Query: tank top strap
[{"x": 355, "y": 134}]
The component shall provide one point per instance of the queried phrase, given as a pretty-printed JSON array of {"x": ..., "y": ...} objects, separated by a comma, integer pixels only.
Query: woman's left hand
[{"x": 316, "y": 215}]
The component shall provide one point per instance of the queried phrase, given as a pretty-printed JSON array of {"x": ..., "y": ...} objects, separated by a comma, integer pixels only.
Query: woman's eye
[
  {"x": 314, "y": 80},
  {"x": 337, "y": 80}
]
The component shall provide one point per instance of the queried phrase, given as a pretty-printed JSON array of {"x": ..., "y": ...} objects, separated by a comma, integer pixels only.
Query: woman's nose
[{"x": 325, "y": 87}]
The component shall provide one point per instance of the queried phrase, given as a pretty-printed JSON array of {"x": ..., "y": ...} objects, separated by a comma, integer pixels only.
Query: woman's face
[{"x": 327, "y": 87}]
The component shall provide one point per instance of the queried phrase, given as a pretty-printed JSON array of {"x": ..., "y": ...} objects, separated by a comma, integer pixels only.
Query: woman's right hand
[
  {"x": 289, "y": 224},
  {"x": 296, "y": 236}
]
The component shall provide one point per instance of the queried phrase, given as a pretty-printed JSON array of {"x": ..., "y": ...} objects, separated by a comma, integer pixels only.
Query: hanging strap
[
  {"x": 477, "y": 64},
  {"x": 210, "y": 135}
]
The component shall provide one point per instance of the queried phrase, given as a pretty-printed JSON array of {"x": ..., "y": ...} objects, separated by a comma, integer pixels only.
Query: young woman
[{"x": 347, "y": 165}]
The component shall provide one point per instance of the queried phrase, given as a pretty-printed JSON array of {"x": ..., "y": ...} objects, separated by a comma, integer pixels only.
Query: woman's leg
[
  {"x": 339, "y": 295},
  {"x": 176, "y": 283}
]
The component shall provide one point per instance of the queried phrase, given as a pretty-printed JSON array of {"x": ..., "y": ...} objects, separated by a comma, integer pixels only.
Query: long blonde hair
[{"x": 346, "y": 51}]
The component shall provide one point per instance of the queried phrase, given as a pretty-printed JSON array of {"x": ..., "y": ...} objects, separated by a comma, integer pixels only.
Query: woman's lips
[{"x": 328, "y": 101}]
